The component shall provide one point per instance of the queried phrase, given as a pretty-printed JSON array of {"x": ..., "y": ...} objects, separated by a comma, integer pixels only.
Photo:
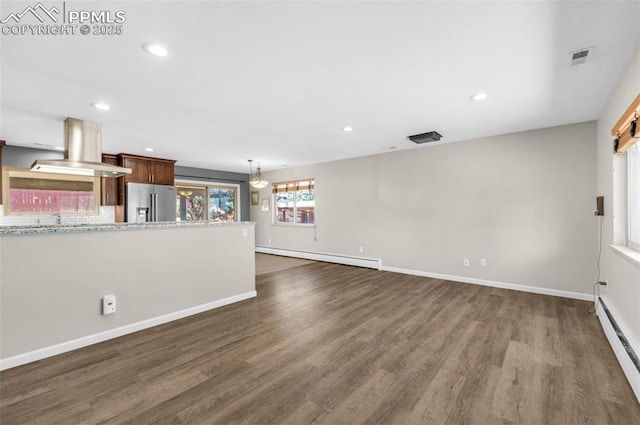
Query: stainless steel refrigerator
[{"x": 149, "y": 202}]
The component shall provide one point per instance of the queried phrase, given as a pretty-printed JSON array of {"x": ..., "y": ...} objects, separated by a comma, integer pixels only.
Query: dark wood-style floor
[{"x": 331, "y": 344}]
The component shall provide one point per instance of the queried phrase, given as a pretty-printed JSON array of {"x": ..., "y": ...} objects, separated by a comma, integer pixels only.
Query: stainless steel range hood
[{"x": 82, "y": 153}]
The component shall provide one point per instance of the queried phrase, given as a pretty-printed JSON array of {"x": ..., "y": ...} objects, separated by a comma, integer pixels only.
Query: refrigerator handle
[
  {"x": 155, "y": 207},
  {"x": 152, "y": 209}
]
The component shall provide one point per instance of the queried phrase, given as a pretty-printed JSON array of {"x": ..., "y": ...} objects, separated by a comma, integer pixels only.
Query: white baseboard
[
  {"x": 369, "y": 263},
  {"x": 629, "y": 369},
  {"x": 495, "y": 284},
  {"x": 74, "y": 344},
  {"x": 377, "y": 264}
]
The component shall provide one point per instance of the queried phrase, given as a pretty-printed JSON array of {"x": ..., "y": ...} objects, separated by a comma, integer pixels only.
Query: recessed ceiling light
[
  {"x": 155, "y": 49},
  {"x": 479, "y": 96},
  {"x": 347, "y": 129},
  {"x": 101, "y": 106},
  {"x": 148, "y": 149}
]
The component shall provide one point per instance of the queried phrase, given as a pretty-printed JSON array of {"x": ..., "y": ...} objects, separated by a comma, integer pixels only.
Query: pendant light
[{"x": 257, "y": 180}]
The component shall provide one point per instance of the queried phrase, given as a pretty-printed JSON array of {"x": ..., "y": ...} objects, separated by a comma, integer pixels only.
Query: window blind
[
  {"x": 626, "y": 132},
  {"x": 293, "y": 185}
]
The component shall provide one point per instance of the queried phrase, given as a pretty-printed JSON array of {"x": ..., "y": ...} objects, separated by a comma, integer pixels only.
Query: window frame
[
  {"x": 633, "y": 168},
  {"x": 295, "y": 184},
  {"x": 211, "y": 184}
]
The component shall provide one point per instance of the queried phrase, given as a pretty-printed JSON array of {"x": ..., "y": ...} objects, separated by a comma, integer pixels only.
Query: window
[
  {"x": 222, "y": 203},
  {"x": 294, "y": 202},
  {"x": 215, "y": 202},
  {"x": 34, "y": 193},
  {"x": 633, "y": 170},
  {"x": 626, "y": 133},
  {"x": 190, "y": 203}
]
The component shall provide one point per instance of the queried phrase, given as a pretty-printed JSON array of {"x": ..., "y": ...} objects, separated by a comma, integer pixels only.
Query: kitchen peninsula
[{"x": 53, "y": 278}]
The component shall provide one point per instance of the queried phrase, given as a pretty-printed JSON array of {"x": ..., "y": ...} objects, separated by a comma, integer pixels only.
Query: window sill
[
  {"x": 304, "y": 226},
  {"x": 627, "y": 253}
]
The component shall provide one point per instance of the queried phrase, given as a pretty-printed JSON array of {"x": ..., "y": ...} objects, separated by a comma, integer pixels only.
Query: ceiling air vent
[
  {"x": 432, "y": 136},
  {"x": 579, "y": 56}
]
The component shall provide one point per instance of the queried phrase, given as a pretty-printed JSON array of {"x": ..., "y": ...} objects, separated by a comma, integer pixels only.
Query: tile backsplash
[{"x": 106, "y": 216}]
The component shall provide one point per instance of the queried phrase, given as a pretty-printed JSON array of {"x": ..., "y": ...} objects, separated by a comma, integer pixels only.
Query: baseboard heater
[
  {"x": 623, "y": 339},
  {"x": 627, "y": 357},
  {"x": 370, "y": 263}
]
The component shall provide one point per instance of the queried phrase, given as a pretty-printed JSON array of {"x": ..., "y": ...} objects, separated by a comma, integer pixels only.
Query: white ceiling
[{"x": 277, "y": 81}]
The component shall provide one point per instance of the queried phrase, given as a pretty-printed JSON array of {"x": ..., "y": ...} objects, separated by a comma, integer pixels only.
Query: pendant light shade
[{"x": 256, "y": 180}]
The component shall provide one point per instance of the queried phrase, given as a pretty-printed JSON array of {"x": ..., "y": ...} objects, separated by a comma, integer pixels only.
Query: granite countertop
[{"x": 86, "y": 228}]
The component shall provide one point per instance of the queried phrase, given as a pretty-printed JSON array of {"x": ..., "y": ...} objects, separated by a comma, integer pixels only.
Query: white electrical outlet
[
  {"x": 483, "y": 262},
  {"x": 244, "y": 233},
  {"x": 269, "y": 241},
  {"x": 108, "y": 304},
  {"x": 360, "y": 249},
  {"x": 466, "y": 262}
]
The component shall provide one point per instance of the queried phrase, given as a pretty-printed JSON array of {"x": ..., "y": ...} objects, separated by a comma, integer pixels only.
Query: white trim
[
  {"x": 84, "y": 341},
  {"x": 633, "y": 192},
  {"x": 629, "y": 369},
  {"x": 370, "y": 263},
  {"x": 503, "y": 285},
  {"x": 627, "y": 253},
  {"x": 377, "y": 264}
]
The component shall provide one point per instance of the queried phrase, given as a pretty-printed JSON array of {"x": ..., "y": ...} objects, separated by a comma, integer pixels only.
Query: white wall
[
  {"x": 622, "y": 294},
  {"x": 51, "y": 285},
  {"x": 523, "y": 201}
]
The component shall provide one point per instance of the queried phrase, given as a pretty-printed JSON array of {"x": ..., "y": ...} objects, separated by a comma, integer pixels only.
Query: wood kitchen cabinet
[
  {"x": 139, "y": 170},
  {"x": 148, "y": 170},
  {"x": 162, "y": 172},
  {"x": 2, "y": 143},
  {"x": 145, "y": 169},
  {"x": 109, "y": 187}
]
